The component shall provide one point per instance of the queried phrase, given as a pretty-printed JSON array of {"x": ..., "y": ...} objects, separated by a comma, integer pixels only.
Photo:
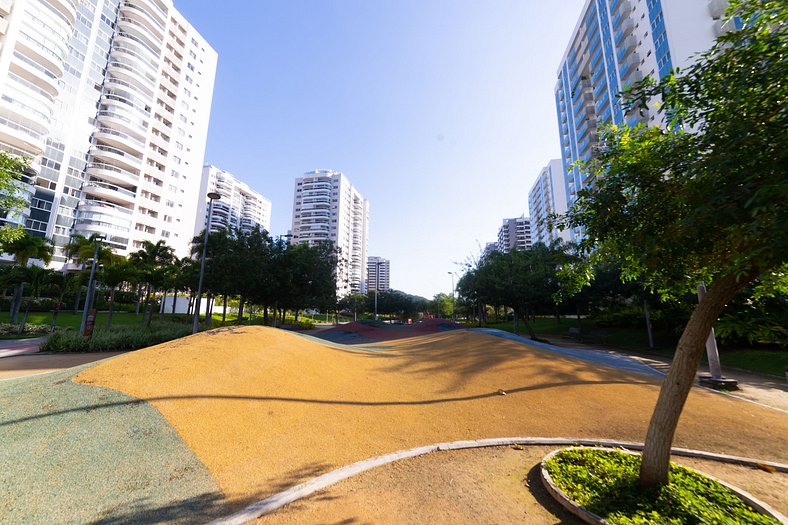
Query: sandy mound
[{"x": 265, "y": 409}]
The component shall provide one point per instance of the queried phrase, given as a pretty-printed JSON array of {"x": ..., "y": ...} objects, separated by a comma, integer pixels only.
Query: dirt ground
[
  {"x": 491, "y": 485},
  {"x": 265, "y": 409}
]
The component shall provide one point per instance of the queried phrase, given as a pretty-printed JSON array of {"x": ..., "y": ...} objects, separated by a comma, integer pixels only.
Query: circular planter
[{"x": 591, "y": 518}]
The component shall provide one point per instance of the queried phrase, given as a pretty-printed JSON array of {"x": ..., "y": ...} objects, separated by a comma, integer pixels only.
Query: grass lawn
[{"x": 73, "y": 320}]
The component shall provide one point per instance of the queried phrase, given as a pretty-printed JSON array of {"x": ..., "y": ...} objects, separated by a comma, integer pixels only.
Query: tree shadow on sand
[{"x": 197, "y": 509}]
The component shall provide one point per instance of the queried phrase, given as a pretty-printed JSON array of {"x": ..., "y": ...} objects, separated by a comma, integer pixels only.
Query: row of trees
[
  {"x": 526, "y": 281},
  {"x": 245, "y": 267},
  {"x": 390, "y": 303}
]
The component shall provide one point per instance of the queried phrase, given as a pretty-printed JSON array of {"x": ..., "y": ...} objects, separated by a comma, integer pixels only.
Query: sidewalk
[
  {"x": 12, "y": 347},
  {"x": 20, "y": 358},
  {"x": 763, "y": 389}
]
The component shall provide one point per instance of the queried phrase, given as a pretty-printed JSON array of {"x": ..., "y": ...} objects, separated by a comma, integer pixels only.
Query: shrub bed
[
  {"x": 605, "y": 482},
  {"x": 8, "y": 329},
  {"x": 117, "y": 338}
]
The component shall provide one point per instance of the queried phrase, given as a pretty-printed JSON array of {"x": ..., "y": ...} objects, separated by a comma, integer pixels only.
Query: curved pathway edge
[{"x": 272, "y": 503}]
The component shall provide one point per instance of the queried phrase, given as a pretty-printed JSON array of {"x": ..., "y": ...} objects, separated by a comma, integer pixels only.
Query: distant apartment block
[
  {"x": 326, "y": 207},
  {"x": 514, "y": 234},
  {"x": 378, "y": 270},
  {"x": 547, "y": 196},
  {"x": 489, "y": 248},
  {"x": 239, "y": 206},
  {"x": 616, "y": 43},
  {"x": 110, "y": 100}
]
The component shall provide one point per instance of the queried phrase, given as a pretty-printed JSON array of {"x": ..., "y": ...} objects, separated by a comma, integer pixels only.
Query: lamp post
[
  {"x": 452, "y": 295},
  {"x": 377, "y": 286},
  {"x": 212, "y": 196},
  {"x": 89, "y": 299}
]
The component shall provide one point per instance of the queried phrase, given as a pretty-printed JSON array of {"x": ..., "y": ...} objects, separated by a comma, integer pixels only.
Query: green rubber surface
[{"x": 74, "y": 453}]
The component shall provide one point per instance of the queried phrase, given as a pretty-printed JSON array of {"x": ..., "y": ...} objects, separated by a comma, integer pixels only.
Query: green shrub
[
  {"x": 117, "y": 338},
  {"x": 605, "y": 482},
  {"x": 7, "y": 329},
  {"x": 37, "y": 304}
]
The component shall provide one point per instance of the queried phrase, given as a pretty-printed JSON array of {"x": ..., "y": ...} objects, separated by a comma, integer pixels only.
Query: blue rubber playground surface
[{"x": 592, "y": 355}]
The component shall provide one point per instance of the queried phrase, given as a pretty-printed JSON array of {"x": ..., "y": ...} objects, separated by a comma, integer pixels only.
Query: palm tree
[
  {"x": 115, "y": 273},
  {"x": 184, "y": 277},
  {"x": 81, "y": 249},
  {"x": 23, "y": 249},
  {"x": 149, "y": 260}
]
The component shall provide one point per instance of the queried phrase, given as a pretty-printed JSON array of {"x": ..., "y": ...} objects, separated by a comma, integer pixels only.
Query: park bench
[{"x": 574, "y": 331}]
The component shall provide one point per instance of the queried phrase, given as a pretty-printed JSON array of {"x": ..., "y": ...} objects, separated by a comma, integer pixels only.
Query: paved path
[
  {"x": 591, "y": 355},
  {"x": 23, "y": 365},
  {"x": 12, "y": 347},
  {"x": 763, "y": 389}
]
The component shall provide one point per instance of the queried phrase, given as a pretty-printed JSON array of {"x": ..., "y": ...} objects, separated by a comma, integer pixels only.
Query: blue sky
[{"x": 441, "y": 112}]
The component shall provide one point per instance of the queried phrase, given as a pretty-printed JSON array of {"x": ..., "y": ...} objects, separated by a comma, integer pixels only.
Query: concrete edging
[
  {"x": 272, "y": 503},
  {"x": 592, "y": 519}
]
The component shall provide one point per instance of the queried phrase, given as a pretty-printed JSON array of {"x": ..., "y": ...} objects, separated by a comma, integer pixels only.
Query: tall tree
[
  {"x": 703, "y": 199},
  {"x": 13, "y": 170},
  {"x": 23, "y": 249},
  {"x": 114, "y": 273},
  {"x": 149, "y": 260}
]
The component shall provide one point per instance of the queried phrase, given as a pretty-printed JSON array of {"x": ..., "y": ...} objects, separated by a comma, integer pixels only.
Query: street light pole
[
  {"x": 452, "y": 295},
  {"x": 89, "y": 298},
  {"x": 212, "y": 196},
  {"x": 377, "y": 285}
]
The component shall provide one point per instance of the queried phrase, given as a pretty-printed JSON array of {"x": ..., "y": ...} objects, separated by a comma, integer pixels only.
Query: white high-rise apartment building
[
  {"x": 239, "y": 207},
  {"x": 378, "y": 272},
  {"x": 617, "y": 43},
  {"x": 326, "y": 207},
  {"x": 547, "y": 196},
  {"x": 514, "y": 234},
  {"x": 110, "y": 99}
]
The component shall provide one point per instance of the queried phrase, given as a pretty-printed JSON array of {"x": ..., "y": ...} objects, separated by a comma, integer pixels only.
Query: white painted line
[{"x": 272, "y": 503}]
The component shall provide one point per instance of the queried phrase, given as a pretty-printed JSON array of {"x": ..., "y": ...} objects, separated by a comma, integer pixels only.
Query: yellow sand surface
[
  {"x": 265, "y": 409},
  {"x": 498, "y": 485}
]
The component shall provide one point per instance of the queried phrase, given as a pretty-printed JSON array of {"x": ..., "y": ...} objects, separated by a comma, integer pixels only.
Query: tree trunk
[
  {"x": 161, "y": 307},
  {"x": 111, "y": 306},
  {"x": 77, "y": 298},
  {"x": 147, "y": 302},
  {"x": 16, "y": 302},
  {"x": 530, "y": 328},
  {"x": 224, "y": 310},
  {"x": 24, "y": 319},
  {"x": 54, "y": 315},
  {"x": 139, "y": 298},
  {"x": 174, "y": 301},
  {"x": 265, "y": 315},
  {"x": 150, "y": 311},
  {"x": 241, "y": 301},
  {"x": 648, "y": 324},
  {"x": 680, "y": 378}
]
